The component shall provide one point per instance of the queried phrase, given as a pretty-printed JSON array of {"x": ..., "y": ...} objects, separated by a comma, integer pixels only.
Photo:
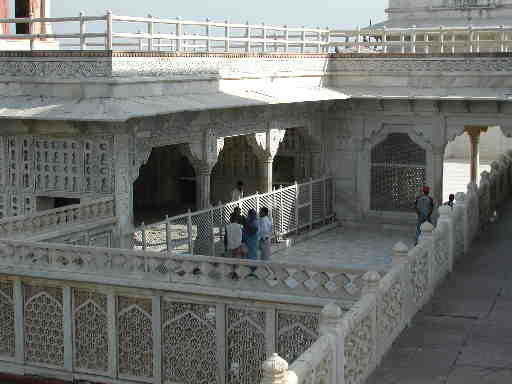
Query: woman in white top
[
  {"x": 233, "y": 239},
  {"x": 265, "y": 234}
]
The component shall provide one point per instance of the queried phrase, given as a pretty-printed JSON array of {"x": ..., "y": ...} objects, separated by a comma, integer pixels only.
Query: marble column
[
  {"x": 265, "y": 146},
  {"x": 203, "y": 180},
  {"x": 438, "y": 171},
  {"x": 4, "y": 13},
  {"x": 123, "y": 189},
  {"x": 265, "y": 167},
  {"x": 474, "y": 139}
]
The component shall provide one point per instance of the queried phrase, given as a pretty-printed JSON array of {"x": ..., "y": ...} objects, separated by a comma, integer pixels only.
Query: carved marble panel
[
  {"x": 90, "y": 330},
  {"x": 44, "y": 328},
  {"x": 135, "y": 336},
  {"x": 245, "y": 345},
  {"x": 7, "y": 332},
  {"x": 358, "y": 351},
  {"x": 296, "y": 332},
  {"x": 189, "y": 343}
]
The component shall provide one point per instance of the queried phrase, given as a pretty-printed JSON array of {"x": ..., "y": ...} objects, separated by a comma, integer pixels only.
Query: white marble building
[{"x": 448, "y": 13}]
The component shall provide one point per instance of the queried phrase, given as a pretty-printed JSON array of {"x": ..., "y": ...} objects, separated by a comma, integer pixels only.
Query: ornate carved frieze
[{"x": 420, "y": 64}]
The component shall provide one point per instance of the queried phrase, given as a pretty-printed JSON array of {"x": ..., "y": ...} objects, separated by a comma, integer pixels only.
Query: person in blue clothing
[
  {"x": 424, "y": 206},
  {"x": 250, "y": 234}
]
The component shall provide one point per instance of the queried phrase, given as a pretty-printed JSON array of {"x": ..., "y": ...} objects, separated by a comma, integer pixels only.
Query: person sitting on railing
[
  {"x": 238, "y": 192},
  {"x": 233, "y": 239},
  {"x": 265, "y": 234},
  {"x": 250, "y": 234}
]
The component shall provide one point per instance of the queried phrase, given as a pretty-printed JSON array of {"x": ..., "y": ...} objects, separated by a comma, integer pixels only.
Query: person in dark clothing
[
  {"x": 250, "y": 234},
  {"x": 424, "y": 206}
]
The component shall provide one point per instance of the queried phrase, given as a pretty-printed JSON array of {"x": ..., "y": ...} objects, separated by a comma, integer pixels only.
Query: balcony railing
[{"x": 158, "y": 34}]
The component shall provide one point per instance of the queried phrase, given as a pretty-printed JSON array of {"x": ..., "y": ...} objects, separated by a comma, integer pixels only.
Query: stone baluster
[
  {"x": 275, "y": 370},
  {"x": 426, "y": 234},
  {"x": 330, "y": 325},
  {"x": 400, "y": 253},
  {"x": 371, "y": 282}
]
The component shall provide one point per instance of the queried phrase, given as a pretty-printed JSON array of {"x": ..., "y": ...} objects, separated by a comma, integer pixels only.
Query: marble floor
[
  {"x": 357, "y": 248},
  {"x": 369, "y": 248}
]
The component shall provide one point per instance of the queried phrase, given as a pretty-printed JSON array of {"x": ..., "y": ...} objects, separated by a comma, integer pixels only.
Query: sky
[{"x": 322, "y": 13}]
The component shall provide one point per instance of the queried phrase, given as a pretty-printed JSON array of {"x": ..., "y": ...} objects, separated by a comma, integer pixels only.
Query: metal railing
[
  {"x": 294, "y": 208},
  {"x": 176, "y": 35}
]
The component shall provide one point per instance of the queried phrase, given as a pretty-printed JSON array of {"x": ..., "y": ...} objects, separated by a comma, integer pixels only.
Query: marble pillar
[
  {"x": 203, "y": 180},
  {"x": 474, "y": 139},
  {"x": 265, "y": 146},
  {"x": 265, "y": 167},
  {"x": 123, "y": 189},
  {"x": 438, "y": 171}
]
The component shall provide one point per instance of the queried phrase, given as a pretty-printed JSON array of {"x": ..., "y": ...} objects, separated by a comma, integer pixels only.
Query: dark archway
[{"x": 166, "y": 186}]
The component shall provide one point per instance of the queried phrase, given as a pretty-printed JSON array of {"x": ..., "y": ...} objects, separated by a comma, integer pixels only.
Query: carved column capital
[
  {"x": 203, "y": 155},
  {"x": 266, "y": 144},
  {"x": 474, "y": 133}
]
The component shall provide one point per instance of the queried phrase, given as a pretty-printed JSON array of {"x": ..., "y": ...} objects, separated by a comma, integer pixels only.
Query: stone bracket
[
  {"x": 203, "y": 155},
  {"x": 266, "y": 144}
]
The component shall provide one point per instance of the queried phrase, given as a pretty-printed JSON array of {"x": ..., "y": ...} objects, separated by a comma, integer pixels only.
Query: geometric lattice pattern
[
  {"x": 398, "y": 170},
  {"x": 90, "y": 330},
  {"x": 245, "y": 339},
  {"x": 36, "y": 164},
  {"x": 44, "y": 331},
  {"x": 189, "y": 343},
  {"x": 135, "y": 337},
  {"x": 7, "y": 333},
  {"x": 296, "y": 332}
]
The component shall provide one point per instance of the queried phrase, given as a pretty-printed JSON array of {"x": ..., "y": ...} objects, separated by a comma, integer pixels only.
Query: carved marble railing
[
  {"x": 183, "y": 271},
  {"x": 103, "y": 332},
  {"x": 351, "y": 345},
  {"x": 47, "y": 220}
]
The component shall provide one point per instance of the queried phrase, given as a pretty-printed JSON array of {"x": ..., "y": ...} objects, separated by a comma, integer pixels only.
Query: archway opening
[
  {"x": 236, "y": 162},
  {"x": 166, "y": 186},
  {"x": 398, "y": 171},
  {"x": 457, "y": 158}
]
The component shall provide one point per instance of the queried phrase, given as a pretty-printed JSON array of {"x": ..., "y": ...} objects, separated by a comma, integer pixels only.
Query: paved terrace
[{"x": 463, "y": 335}]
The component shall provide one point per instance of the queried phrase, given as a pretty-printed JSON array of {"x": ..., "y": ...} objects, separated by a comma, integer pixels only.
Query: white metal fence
[
  {"x": 109, "y": 31},
  {"x": 294, "y": 208}
]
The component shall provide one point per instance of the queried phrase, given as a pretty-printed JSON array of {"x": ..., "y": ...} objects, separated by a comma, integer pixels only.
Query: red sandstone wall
[{"x": 4, "y": 12}]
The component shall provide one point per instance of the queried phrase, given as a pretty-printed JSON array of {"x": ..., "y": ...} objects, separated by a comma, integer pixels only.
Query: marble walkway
[
  {"x": 464, "y": 335},
  {"x": 353, "y": 248}
]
